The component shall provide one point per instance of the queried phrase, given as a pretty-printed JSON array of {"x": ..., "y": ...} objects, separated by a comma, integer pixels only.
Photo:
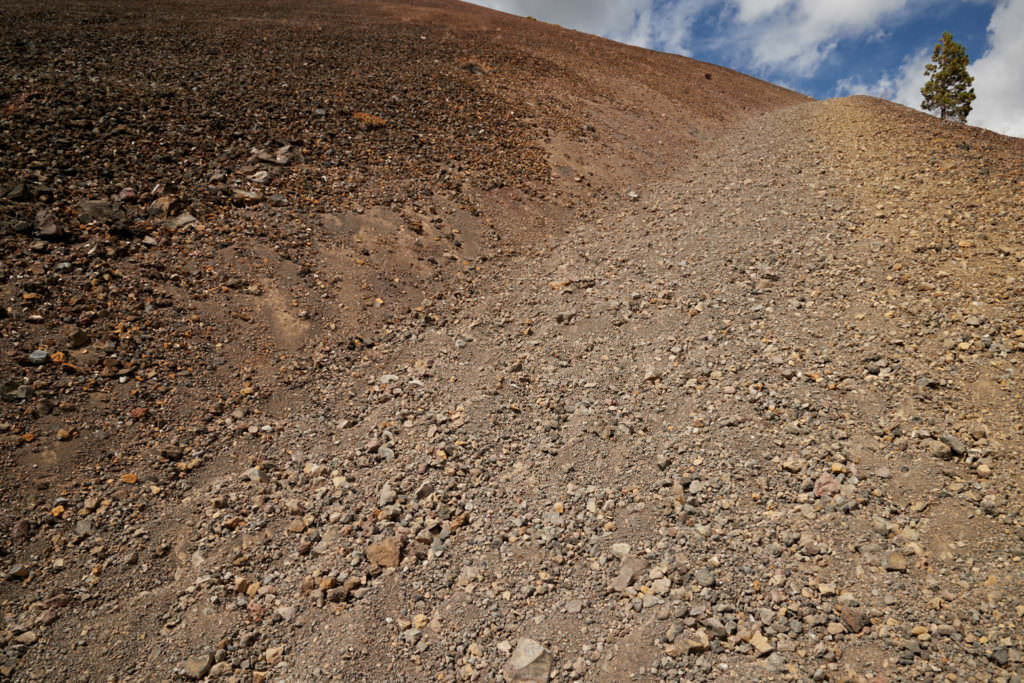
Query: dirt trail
[{"x": 757, "y": 419}]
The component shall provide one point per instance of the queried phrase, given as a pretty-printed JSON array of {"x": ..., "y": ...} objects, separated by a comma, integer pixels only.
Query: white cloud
[
  {"x": 903, "y": 86},
  {"x": 647, "y": 23},
  {"x": 749, "y": 11},
  {"x": 795, "y": 37},
  {"x": 605, "y": 18},
  {"x": 999, "y": 73},
  {"x": 787, "y": 38}
]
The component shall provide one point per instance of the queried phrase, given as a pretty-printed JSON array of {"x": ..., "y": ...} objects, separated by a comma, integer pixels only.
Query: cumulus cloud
[
  {"x": 646, "y": 23},
  {"x": 903, "y": 85},
  {"x": 796, "y": 37},
  {"x": 781, "y": 37},
  {"x": 999, "y": 73}
]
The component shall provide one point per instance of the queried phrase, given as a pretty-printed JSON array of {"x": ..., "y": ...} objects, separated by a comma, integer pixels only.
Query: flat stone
[
  {"x": 17, "y": 572},
  {"x": 47, "y": 226},
  {"x": 17, "y": 192},
  {"x": 826, "y": 485},
  {"x": 83, "y": 528},
  {"x": 955, "y": 444},
  {"x": 386, "y": 496},
  {"x": 990, "y": 503},
  {"x": 286, "y": 154},
  {"x": 894, "y": 562},
  {"x": 705, "y": 578},
  {"x": 854, "y": 619},
  {"x": 695, "y": 641},
  {"x": 181, "y": 220},
  {"x": 98, "y": 210},
  {"x": 220, "y": 669},
  {"x": 631, "y": 568},
  {"x": 651, "y": 600},
  {"x": 198, "y": 666},
  {"x": 13, "y": 391},
  {"x": 834, "y": 628},
  {"x": 386, "y": 553},
  {"x": 273, "y": 655},
  {"x": 761, "y": 644},
  {"x": 39, "y": 357},
  {"x": 78, "y": 338},
  {"x": 1001, "y": 656},
  {"x": 620, "y": 550},
  {"x": 21, "y": 530},
  {"x": 245, "y": 197},
  {"x": 530, "y": 661},
  {"x": 793, "y": 465},
  {"x": 162, "y": 206},
  {"x": 26, "y": 638},
  {"x": 938, "y": 449}
]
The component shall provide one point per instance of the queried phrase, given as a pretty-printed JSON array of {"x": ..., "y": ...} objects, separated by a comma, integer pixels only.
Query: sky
[{"x": 824, "y": 48}]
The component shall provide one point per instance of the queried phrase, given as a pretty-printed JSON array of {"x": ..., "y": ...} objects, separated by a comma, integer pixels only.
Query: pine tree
[{"x": 948, "y": 90}]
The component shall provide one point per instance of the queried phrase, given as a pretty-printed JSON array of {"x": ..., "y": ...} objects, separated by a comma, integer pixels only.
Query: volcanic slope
[
  {"x": 195, "y": 200},
  {"x": 760, "y": 419}
]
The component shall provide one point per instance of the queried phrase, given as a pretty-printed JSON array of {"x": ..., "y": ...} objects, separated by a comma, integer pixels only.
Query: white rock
[
  {"x": 530, "y": 661},
  {"x": 620, "y": 550}
]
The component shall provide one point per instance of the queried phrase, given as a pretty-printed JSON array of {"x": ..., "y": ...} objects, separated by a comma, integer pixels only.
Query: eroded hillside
[{"x": 375, "y": 341}]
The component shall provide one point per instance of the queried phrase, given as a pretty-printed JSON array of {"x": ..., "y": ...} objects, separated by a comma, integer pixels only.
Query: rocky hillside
[{"x": 394, "y": 342}]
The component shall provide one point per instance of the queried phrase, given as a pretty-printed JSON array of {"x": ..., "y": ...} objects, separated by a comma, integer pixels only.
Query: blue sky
[
  {"x": 870, "y": 57},
  {"x": 825, "y": 48}
]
